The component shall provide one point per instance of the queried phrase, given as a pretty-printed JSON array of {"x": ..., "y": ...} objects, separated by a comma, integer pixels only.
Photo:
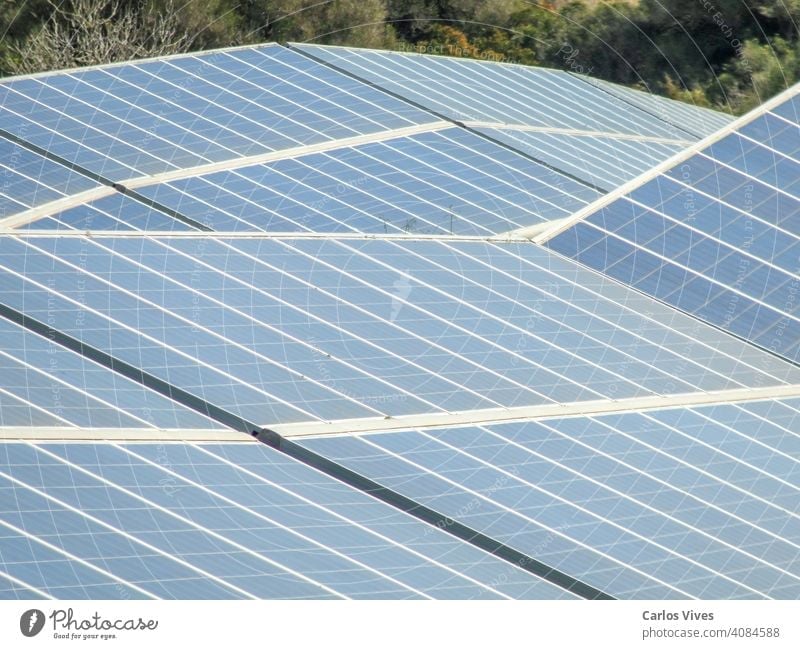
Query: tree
[
  {"x": 359, "y": 23},
  {"x": 763, "y": 70},
  {"x": 91, "y": 32}
]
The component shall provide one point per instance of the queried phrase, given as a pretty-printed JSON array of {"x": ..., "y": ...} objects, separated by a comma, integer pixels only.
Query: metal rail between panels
[
  {"x": 533, "y": 413},
  {"x": 255, "y": 234},
  {"x": 417, "y": 422},
  {"x": 542, "y": 237}
]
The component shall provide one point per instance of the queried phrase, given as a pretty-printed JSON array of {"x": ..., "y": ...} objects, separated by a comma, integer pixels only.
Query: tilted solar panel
[
  {"x": 442, "y": 182},
  {"x": 478, "y": 91},
  {"x": 287, "y": 330},
  {"x": 221, "y": 521},
  {"x": 603, "y": 161},
  {"x": 683, "y": 502},
  {"x": 44, "y": 384},
  {"x": 30, "y": 180},
  {"x": 143, "y": 118},
  {"x": 716, "y": 234},
  {"x": 691, "y": 118}
]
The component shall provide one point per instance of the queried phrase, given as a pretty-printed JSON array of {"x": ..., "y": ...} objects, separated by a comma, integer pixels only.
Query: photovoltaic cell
[
  {"x": 469, "y": 90},
  {"x": 289, "y": 330},
  {"x": 222, "y": 521},
  {"x": 682, "y": 502},
  {"x": 715, "y": 235}
]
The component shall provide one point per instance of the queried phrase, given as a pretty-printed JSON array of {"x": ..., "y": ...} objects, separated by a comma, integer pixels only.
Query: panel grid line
[
  {"x": 421, "y": 470},
  {"x": 131, "y": 537},
  {"x": 602, "y": 486},
  {"x": 187, "y": 521}
]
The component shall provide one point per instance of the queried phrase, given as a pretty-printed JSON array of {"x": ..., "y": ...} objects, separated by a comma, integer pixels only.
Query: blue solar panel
[
  {"x": 442, "y": 182},
  {"x": 44, "y": 384},
  {"x": 604, "y": 162},
  {"x": 695, "y": 502},
  {"x": 113, "y": 212},
  {"x": 221, "y": 521},
  {"x": 30, "y": 180},
  {"x": 468, "y": 90},
  {"x": 65, "y": 578},
  {"x": 289, "y": 330},
  {"x": 687, "y": 118},
  {"x": 716, "y": 235},
  {"x": 144, "y": 118},
  {"x": 15, "y": 411}
]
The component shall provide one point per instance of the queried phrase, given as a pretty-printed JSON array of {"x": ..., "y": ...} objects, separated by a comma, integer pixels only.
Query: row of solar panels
[
  {"x": 684, "y": 502},
  {"x": 299, "y": 330},
  {"x": 139, "y": 331},
  {"x": 505, "y": 160}
]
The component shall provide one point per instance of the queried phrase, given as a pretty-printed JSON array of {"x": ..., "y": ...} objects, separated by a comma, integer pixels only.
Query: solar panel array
[
  {"x": 292, "y": 330},
  {"x": 684, "y": 502},
  {"x": 221, "y": 521},
  {"x": 716, "y": 234},
  {"x": 286, "y": 242}
]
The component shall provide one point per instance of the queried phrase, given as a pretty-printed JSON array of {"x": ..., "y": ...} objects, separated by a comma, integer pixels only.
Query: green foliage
[
  {"x": 334, "y": 23},
  {"x": 762, "y": 70},
  {"x": 211, "y": 23},
  {"x": 729, "y": 54}
]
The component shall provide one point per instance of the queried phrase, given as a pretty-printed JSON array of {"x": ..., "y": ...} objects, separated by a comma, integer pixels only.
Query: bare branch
[{"x": 92, "y": 32}]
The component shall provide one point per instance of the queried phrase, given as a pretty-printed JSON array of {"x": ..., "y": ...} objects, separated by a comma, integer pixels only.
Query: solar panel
[
  {"x": 143, "y": 118},
  {"x": 221, "y": 521},
  {"x": 30, "y": 180},
  {"x": 44, "y": 384},
  {"x": 468, "y": 90},
  {"x": 682, "y": 502},
  {"x": 446, "y": 181},
  {"x": 602, "y": 161},
  {"x": 689, "y": 118},
  {"x": 113, "y": 212},
  {"x": 328, "y": 250},
  {"x": 715, "y": 234},
  {"x": 287, "y": 330}
]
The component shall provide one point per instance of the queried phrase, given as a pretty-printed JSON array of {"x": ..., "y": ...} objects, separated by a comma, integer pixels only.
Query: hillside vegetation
[{"x": 726, "y": 54}]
